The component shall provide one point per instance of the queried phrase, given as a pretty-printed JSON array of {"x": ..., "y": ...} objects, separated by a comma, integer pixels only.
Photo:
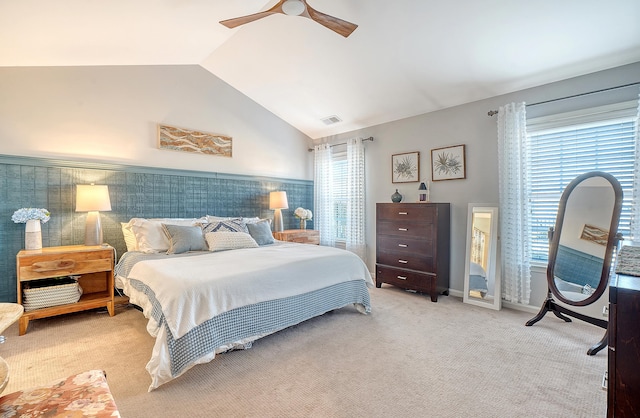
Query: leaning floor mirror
[{"x": 481, "y": 278}]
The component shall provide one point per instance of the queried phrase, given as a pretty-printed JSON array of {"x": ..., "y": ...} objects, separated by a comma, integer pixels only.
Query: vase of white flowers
[
  {"x": 32, "y": 217},
  {"x": 304, "y": 215}
]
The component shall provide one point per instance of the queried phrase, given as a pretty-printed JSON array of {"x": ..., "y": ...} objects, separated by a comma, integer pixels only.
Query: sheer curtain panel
[
  {"x": 355, "y": 231},
  {"x": 635, "y": 215},
  {"x": 514, "y": 203},
  {"x": 323, "y": 199}
]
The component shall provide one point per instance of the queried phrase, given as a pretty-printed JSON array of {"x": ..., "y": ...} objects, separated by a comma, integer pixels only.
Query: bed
[{"x": 207, "y": 301}]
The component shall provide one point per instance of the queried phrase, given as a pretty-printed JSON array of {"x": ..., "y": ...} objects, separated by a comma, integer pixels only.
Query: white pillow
[
  {"x": 226, "y": 240},
  {"x": 150, "y": 236},
  {"x": 129, "y": 236}
]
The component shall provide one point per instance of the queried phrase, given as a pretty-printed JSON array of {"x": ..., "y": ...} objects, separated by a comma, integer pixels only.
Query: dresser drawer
[
  {"x": 39, "y": 266},
  {"x": 387, "y": 243},
  {"x": 406, "y": 212},
  {"x": 405, "y": 229},
  {"x": 405, "y": 279},
  {"x": 420, "y": 262}
]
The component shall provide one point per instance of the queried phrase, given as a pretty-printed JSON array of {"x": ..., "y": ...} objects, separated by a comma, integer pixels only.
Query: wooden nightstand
[
  {"x": 94, "y": 265},
  {"x": 304, "y": 236}
]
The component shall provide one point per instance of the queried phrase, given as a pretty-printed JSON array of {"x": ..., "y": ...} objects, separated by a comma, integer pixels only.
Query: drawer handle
[
  {"x": 402, "y": 213},
  {"x": 44, "y": 266},
  {"x": 402, "y": 229},
  {"x": 403, "y": 261},
  {"x": 402, "y": 245},
  {"x": 402, "y": 277}
]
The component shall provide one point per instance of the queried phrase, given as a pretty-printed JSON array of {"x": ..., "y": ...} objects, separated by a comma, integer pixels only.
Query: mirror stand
[
  {"x": 581, "y": 248},
  {"x": 550, "y": 305}
]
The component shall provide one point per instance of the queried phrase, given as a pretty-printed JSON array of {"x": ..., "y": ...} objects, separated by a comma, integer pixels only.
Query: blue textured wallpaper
[{"x": 134, "y": 192}]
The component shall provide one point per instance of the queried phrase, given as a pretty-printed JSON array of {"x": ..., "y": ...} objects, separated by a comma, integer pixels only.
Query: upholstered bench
[{"x": 85, "y": 394}]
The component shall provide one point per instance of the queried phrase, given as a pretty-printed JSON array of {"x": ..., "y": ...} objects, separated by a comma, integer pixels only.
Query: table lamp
[
  {"x": 278, "y": 201},
  {"x": 92, "y": 198}
]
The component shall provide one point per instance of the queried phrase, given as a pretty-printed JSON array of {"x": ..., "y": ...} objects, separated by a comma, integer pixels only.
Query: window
[
  {"x": 339, "y": 166},
  {"x": 564, "y": 146}
]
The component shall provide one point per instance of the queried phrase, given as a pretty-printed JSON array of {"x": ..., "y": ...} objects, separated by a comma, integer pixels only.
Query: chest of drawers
[
  {"x": 624, "y": 347},
  {"x": 412, "y": 246}
]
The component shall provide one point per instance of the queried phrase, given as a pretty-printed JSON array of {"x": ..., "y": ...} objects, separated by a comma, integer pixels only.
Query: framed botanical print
[
  {"x": 405, "y": 168},
  {"x": 448, "y": 163}
]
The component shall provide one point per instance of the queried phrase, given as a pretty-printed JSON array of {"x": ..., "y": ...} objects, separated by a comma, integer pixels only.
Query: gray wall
[{"x": 470, "y": 125}]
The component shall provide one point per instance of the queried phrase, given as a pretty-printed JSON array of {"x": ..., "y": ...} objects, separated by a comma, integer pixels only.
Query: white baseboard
[{"x": 505, "y": 304}]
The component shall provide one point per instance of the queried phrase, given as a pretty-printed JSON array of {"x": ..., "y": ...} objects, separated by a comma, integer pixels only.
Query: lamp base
[
  {"x": 277, "y": 221},
  {"x": 93, "y": 229}
]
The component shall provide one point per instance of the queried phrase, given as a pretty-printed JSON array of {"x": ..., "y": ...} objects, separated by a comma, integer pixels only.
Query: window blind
[{"x": 565, "y": 146}]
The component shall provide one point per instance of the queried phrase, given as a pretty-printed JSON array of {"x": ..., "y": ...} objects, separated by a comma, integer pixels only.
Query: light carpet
[{"x": 408, "y": 358}]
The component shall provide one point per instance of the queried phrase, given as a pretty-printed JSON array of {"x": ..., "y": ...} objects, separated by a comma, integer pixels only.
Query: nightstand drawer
[{"x": 53, "y": 265}]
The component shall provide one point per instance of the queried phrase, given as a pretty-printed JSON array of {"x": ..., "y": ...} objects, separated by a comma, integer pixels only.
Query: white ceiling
[{"x": 406, "y": 58}]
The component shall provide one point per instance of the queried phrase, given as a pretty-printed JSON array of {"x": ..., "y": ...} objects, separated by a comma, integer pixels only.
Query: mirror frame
[
  {"x": 492, "y": 270},
  {"x": 611, "y": 240}
]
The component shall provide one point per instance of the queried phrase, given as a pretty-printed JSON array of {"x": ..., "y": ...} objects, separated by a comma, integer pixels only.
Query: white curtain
[
  {"x": 635, "y": 205},
  {"x": 323, "y": 199},
  {"x": 514, "y": 203},
  {"x": 355, "y": 233}
]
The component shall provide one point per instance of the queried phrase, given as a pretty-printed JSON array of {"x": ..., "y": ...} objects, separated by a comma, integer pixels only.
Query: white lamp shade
[
  {"x": 278, "y": 200},
  {"x": 92, "y": 197}
]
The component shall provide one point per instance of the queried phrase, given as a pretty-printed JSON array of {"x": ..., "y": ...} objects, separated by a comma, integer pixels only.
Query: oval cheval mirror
[{"x": 581, "y": 248}]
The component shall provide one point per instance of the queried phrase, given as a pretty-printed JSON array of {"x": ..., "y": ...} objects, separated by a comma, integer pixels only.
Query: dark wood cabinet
[
  {"x": 623, "y": 397},
  {"x": 412, "y": 246}
]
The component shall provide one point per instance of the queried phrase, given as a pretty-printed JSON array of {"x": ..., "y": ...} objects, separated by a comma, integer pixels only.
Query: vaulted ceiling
[{"x": 406, "y": 57}]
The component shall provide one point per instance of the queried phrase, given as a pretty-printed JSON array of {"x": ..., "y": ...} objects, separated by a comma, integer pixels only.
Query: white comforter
[{"x": 192, "y": 290}]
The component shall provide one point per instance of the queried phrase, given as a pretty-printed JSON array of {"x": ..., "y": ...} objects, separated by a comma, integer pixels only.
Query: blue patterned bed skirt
[{"x": 253, "y": 320}]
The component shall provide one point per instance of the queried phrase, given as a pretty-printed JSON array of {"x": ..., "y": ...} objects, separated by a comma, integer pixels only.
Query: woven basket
[{"x": 50, "y": 292}]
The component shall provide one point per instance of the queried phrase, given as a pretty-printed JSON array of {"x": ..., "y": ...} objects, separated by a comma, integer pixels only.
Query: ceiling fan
[{"x": 296, "y": 8}]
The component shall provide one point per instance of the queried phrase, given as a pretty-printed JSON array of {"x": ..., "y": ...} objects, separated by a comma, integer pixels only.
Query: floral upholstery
[{"x": 82, "y": 395}]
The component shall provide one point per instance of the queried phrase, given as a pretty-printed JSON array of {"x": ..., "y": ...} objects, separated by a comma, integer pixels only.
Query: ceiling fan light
[{"x": 293, "y": 7}]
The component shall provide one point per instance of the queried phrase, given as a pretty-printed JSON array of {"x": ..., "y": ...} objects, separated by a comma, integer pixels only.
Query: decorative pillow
[
  {"x": 150, "y": 236},
  {"x": 213, "y": 218},
  {"x": 252, "y": 220},
  {"x": 230, "y": 225},
  {"x": 227, "y": 240},
  {"x": 261, "y": 232},
  {"x": 184, "y": 238},
  {"x": 129, "y": 236}
]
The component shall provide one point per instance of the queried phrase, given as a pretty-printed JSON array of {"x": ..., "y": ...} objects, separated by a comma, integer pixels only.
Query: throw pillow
[
  {"x": 227, "y": 240},
  {"x": 184, "y": 238},
  {"x": 261, "y": 232},
  {"x": 229, "y": 225}
]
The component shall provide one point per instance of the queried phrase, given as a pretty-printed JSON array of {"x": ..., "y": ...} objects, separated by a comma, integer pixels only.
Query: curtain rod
[
  {"x": 495, "y": 112},
  {"x": 344, "y": 143}
]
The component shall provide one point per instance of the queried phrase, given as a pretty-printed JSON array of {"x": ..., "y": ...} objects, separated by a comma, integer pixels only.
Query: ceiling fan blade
[
  {"x": 237, "y": 21},
  {"x": 339, "y": 26}
]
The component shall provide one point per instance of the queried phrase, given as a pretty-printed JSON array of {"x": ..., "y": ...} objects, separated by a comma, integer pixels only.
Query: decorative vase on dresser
[{"x": 412, "y": 246}]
